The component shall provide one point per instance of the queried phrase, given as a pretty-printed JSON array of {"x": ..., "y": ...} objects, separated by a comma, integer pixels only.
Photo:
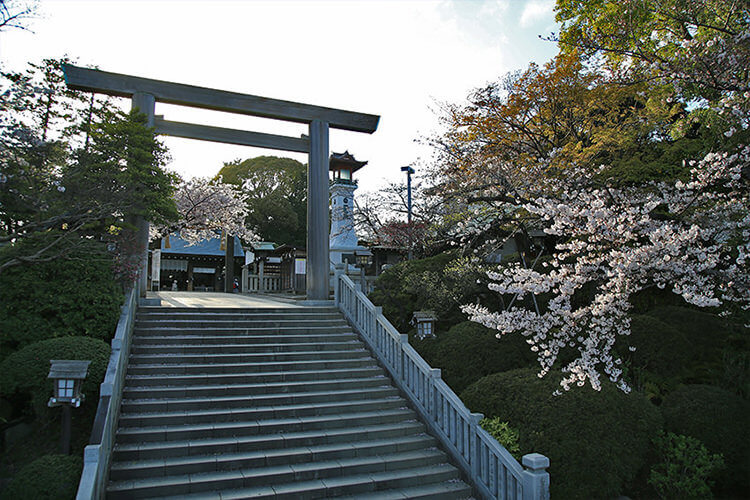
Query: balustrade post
[
  {"x": 536, "y": 477},
  {"x": 338, "y": 270},
  {"x": 474, "y": 458},
  {"x": 376, "y": 311},
  {"x": 431, "y": 403}
]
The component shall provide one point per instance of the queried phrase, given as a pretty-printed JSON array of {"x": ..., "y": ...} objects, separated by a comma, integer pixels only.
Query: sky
[{"x": 399, "y": 59}]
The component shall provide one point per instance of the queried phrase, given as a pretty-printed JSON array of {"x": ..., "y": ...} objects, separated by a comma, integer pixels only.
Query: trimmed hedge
[
  {"x": 51, "y": 477},
  {"x": 719, "y": 419},
  {"x": 596, "y": 441},
  {"x": 23, "y": 374},
  {"x": 469, "y": 351},
  {"x": 679, "y": 345},
  {"x": 66, "y": 297}
]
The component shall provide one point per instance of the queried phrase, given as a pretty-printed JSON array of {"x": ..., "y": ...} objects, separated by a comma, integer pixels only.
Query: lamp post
[
  {"x": 67, "y": 376},
  {"x": 408, "y": 171}
]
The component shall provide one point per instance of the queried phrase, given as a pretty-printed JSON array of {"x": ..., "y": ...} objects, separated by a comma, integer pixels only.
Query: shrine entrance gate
[{"x": 145, "y": 92}]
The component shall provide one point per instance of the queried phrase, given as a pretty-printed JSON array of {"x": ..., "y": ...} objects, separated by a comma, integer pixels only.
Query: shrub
[
  {"x": 679, "y": 345},
  {"x": 469, "y": 351},
  {"x": 23, "y": 374},
  {"x": 718, "y": 419},
  {"x": 504, "y": 434},
  {"x": 51, "y": 477},
  {"x": 67, "y": 297},
  {"x": 596, "y": 441},
  {"x": 441, "y": 283},
  {"x": 684, "y": 469}
]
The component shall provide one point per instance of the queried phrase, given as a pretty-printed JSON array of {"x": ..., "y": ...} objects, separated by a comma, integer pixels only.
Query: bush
[
  {"x": 504, "y": 434},
  {"x": 441, "y": 283},
  {"x": 596, "y": 441},
  {"x": 684, "y": 469},
  {"x": 23, "y": 374},
  {"x": 679, "y": 345},
  {"x": 67, "y": 297},
  {"x": 51, "y": 477},
  {"x": 469, "y": 351},
  {"x": 718, "y": 419}
]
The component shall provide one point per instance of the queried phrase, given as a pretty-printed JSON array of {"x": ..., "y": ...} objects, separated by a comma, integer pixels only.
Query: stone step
[
  {"x": 257, "y": 341},
  {"x": 268, "y": 442},
  {"x": 355, "y": 391},
  {"x": 283, "y": 403},
  {"x": 244, "y": 414},
  {"x": 448, "y": 490},
  {"x": 293, "y": 314},
  {"x": 235, "y": 310},
  {"x": 146, "y": 380},
  {"x": 196, "y": 368},
  {"x": 267, "y": 458},
  {"x": 255, "y": 427},
  {"x": 237, "y": 354},
  {"x": 217, "y": 324},
  {"x": 359, "y": 474},
  {"x": 291, "y": 330}
]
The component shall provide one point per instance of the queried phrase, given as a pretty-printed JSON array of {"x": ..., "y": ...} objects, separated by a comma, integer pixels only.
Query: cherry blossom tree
[
  {"x": 207, "y": 206},
  {"x": 686, "y": 230}
]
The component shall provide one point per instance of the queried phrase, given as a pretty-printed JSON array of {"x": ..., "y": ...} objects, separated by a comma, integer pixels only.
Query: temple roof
[
  {"x": 345, "y": 160},
  {"x": 206, "y": 247}
]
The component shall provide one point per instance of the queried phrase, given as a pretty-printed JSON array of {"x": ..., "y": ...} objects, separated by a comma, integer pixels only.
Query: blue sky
[{"x": 395, "y": 58}]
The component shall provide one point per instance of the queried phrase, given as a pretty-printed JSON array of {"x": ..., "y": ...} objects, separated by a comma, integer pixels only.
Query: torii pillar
[
  {"x": 146, "y": 104},
  {"x": 317, "y": 213}
]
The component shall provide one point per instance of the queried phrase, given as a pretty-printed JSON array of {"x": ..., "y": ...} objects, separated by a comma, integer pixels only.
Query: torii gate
[{"x": 145, "y": 92}]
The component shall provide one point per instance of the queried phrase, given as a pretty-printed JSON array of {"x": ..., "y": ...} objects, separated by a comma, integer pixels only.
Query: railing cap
[{"x": 535, "y": 461}]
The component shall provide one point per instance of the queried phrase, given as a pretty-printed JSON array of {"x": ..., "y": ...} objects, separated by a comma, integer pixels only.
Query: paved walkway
[{"x": 218, "y": 299}]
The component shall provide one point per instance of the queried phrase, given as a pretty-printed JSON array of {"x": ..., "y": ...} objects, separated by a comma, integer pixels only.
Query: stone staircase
[{"x": 261, "y": 403}]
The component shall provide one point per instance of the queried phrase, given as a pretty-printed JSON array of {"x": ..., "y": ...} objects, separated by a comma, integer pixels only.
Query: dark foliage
[
  {"x": 469, "y": 351},
  {"x": 719, "y": 420},
  {"x": 23, "y": 374},
  {"x": 441, "y": 283},
  {"x": 596, "y": 441},
  {"x": 51, "y": 477},
  {"x": 75, "y": 296}
]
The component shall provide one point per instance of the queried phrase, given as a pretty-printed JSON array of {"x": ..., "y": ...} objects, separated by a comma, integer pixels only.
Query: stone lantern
[
  {"x": 425, "y": 322},
  {"x": 67, "y": 377}
]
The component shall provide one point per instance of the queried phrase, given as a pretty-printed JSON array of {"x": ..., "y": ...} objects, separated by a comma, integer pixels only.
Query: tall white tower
[{"x": 342, "y": 241}]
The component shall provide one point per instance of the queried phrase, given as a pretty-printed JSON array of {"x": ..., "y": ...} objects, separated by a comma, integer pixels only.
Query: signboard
[
  {"x": 155, "y": 269},
  {"x": 300, "y": 266}
]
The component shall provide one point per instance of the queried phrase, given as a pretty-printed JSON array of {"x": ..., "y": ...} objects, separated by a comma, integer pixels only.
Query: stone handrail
[
  {"x": 491, "y": 469},
  {"x": 269, "y": 283},
  {"x": 97, "y": 454}
]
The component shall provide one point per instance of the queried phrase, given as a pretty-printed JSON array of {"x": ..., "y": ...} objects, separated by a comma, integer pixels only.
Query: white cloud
[
  {"x": 535, "y": 11},
  {"x": 392, "y": 58}
]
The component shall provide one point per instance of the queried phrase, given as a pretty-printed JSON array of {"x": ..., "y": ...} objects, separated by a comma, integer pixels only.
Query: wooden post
[
  {"x": 317, "y": 212},
  {"x": 65, "y": 433},
  {"x": 261, "y": 282},
  {"x": 229, "y": 265}
]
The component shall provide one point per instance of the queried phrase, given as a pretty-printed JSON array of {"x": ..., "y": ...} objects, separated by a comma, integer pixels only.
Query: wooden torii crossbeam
[{"x": 145, "y": 92}]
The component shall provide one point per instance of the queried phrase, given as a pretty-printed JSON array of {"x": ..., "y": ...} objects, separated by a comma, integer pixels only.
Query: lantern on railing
[
  {"x": 67, "y": 377},
  {"x": 363, "y": 258},
  {"x": 425, "y": 323}
]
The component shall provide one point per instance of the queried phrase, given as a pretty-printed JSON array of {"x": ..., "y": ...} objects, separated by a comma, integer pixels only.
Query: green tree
[
  {"x": 72, "y": 168},
  {"x": 277, "y": 196}
]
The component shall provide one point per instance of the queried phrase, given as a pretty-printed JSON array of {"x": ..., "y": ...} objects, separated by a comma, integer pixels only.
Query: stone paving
[{"x": 220, "y": 299}]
